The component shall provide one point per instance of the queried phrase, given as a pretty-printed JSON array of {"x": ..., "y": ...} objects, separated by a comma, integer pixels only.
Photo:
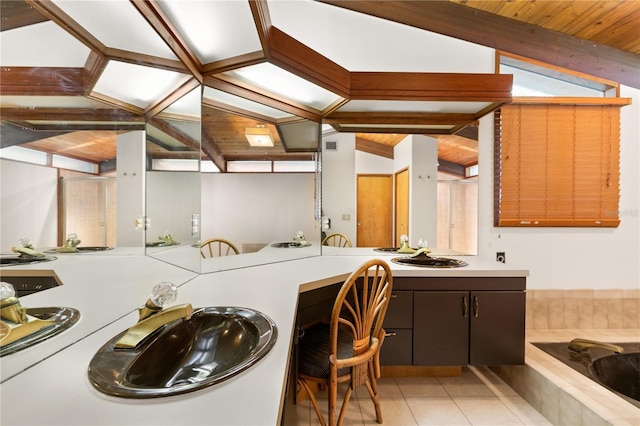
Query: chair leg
[
  {"x": 372, "y": 387},
  {"x": 314, "y": 402},
  {"x": 345, "y": 402}
]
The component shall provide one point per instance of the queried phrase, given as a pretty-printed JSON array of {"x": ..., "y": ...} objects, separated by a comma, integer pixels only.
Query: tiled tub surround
[
  {"x": 562, "y": 395},
  {"x": 583, "y": 309}
]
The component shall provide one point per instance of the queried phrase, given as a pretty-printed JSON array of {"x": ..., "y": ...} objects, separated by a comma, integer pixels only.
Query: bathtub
[{"x": 620, "y": 373}]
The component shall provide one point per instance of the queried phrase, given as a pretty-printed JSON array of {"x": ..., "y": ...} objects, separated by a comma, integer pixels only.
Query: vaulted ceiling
[{"x": 368, "y": 67}]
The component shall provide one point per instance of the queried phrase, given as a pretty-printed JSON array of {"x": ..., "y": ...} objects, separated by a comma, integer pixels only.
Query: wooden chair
[
  {"x": 347, "y": 349},
  {"x": 216, "y": 247},
  {"x": 337, "y": 240}
]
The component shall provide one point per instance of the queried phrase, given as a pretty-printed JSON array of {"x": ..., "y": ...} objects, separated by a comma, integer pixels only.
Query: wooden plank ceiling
[{"x": 597, "y": 37}]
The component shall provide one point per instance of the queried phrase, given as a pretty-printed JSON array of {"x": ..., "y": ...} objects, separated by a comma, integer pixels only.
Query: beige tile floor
[{"x": 477, "y": 397}]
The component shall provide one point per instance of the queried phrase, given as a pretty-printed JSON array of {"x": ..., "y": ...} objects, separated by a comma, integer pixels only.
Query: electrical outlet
[{"x": 501, "y": 257}]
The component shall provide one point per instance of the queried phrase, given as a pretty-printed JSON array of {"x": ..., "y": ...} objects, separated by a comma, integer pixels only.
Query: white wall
[
  {"x": 258, "y": 208},
  {"x": 29, "y": 204},
  {"x": 571, "y": 258},
  {"x": 420, "y": 154},
  {"x": 339, "y": 184},
  {"x": 131, "y": 188},
  {"x": 172, "y": 197}
]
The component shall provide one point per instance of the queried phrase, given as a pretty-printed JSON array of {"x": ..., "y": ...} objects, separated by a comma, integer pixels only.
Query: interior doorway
[
  {"x": 89, "y": 210},
  {"x": 374, "y": 210},
  {"x": 401, "y": 205}
]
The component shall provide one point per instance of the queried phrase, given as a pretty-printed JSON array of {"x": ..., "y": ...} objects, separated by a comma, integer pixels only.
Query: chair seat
[{"x": 313, "y": 351}]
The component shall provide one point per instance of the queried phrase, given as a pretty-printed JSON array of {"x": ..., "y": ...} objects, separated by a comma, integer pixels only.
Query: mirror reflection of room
[{"x": 378, "y": 187}]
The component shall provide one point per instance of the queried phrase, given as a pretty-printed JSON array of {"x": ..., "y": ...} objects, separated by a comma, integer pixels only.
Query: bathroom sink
[
  {"x": 84, "y": 249},
  {"x": 387, "y": 249},
  {"x": 620, "y": 372},
  {"x": 213, "y": 345},
  {"x": 429, "y": 262},
  {"x": 291, "y": 244},
  {"x": 161, "y": 244},
  {"x": 16, "y": 259},
  {"x": 61, "y": 319}
]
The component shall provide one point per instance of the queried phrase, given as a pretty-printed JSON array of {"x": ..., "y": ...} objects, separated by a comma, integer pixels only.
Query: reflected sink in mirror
[
  {"x": 213, "y": 345},
  {"x": 429, "y": 262},
  {"x": 85, "y": 249},
  {"x": 62, "y": 319},
  {"x": 15, "y": 259},
  {"x": 291, "y": 244}
]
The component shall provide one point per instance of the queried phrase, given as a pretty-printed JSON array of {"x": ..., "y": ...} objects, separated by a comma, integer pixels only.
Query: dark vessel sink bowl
[
  {"x": 63, "y": 319},
  {"x": 387, "y": 249},
  {"x": 15, "y": 259},
  {"x": 620, "y": 373},
  {"x": 216, "y": 343},
  {"x": 291, "y": 244},
  {"x": 429, "y": 262}
]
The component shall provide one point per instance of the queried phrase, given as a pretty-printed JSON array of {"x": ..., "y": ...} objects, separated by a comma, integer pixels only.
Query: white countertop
[{"x": 108, "y": 289}]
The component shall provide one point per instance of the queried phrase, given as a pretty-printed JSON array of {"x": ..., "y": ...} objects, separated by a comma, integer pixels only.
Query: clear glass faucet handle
[
  {"x": 6, "y": 290},
  {"x": 24, "y": 242},
  {"x": 164, "y": 294},
  {"x": 404, "y": 238}
]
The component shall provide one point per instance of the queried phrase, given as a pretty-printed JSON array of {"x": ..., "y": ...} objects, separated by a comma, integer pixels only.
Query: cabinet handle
[
  {"x": 390, "y": 334},
  {"x": 465, "y": 307},
  {"x": 476, "y": 307},
  {"x": 394, "y": 296}
]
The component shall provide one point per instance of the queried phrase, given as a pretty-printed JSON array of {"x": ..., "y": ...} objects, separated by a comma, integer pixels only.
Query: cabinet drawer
[
  {"x": 400, "y": 310},
  {"x": 396, "y": 348}
]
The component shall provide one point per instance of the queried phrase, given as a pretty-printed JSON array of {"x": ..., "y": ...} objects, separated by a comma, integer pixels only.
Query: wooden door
[
  {"x": 374, "y": 214},
  {"x": 402, "y": 204}
]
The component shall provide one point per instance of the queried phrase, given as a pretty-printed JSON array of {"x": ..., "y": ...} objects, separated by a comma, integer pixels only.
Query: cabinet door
[
  {"x": 497, "y": 328},
  {"x": 400, "y": 311},
  {"x": 441, "y": 328},
  {"x": 396, "y": 348}
]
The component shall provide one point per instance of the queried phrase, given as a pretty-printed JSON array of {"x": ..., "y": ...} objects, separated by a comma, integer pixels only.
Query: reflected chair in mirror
[
  {"x": 337, "y": 240},
  {"x": 347, "y": 349},
  {"x": 217, "y": 247}
]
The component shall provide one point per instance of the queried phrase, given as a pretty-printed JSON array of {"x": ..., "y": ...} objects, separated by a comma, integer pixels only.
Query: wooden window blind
[{"x": 557, "y": 165}]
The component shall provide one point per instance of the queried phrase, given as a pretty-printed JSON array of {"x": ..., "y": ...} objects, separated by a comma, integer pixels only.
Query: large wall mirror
[
  {"x": 173, "y": 183},
  {"x": 78, "y": 171},
  {"x": 377, "y": 187},
  {"x": 259, "y": 184}
]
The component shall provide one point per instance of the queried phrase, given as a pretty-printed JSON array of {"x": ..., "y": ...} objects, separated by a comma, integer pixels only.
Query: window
[
  {"x": 557, "y": 164},
  {"x": 557, "y": 148}
]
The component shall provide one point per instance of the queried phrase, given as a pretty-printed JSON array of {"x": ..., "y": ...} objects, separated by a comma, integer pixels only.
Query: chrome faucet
[{"x": 581, "y": 345}]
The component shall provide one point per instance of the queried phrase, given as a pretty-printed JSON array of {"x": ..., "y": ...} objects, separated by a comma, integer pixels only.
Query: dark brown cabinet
[{"x": 455, "y": 321}]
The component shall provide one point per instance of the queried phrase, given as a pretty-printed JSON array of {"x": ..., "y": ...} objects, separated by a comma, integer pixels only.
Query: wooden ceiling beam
[
  {"x": 182, "y": 88},
  {"x": 451, "y": 168},
  {"x": 236, "y": 62},
  {"x": 363, "y": 128},
  {"x": 212, "y": 152},
  {"x": 16, "y": 14},
  {"x": 42, "y": 81},
  {"x": 70, "y": 114},
  {"x": 175, "y": 133},
  {"x": 289, "y": 54},
  {"x": 161, "y": 23},
  {"x": 509, "y": 35},
  {"x": 399, "y": 118},
  {"x": 431, "y": 86},
  {"x": 233, "y": 88},
  {"x": 374, "y": 148},
  {"x": 141, "y": 59},
  {"x": 64, "y": 21}
]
